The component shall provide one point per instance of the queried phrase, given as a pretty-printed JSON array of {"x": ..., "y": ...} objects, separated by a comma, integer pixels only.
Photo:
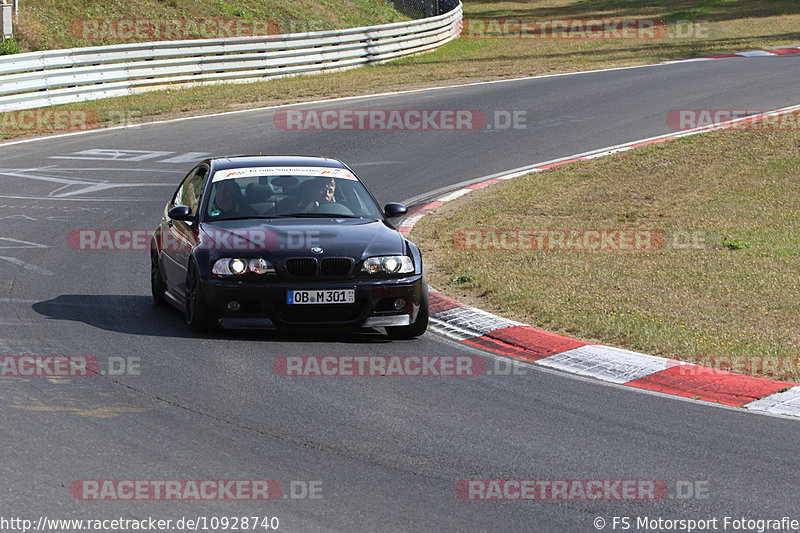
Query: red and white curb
[
  {"x": 615, "y": 365},
  {"x": 760, "y": 53},
  {"x": 606, "y": 363},
  {"x": 753, "y": 53}
]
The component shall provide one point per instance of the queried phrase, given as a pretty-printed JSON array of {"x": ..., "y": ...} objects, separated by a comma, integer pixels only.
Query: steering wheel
[{"x": 333, "y": 208}]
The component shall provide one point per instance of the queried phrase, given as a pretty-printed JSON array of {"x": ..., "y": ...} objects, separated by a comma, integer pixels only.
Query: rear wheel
[
  {"x": 419, "y": 326},
  {"x": 157, "y": 286},
  {"x": 196, "y": 310}
]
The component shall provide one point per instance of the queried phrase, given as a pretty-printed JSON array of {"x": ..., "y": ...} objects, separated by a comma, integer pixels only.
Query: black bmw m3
[{"x": 285, "y": 242}]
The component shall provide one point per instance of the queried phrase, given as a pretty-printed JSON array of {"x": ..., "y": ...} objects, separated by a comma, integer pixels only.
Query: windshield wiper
[
  {"x": 237, "y": 218},
  {"x": 317, "y": 215}
]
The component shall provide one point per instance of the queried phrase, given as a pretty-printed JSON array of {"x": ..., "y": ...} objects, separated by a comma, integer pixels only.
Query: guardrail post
[{"x": 6, "y": 16}]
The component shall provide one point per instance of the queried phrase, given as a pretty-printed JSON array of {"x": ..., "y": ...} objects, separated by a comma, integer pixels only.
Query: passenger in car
[{"x": 228, "y": 202}]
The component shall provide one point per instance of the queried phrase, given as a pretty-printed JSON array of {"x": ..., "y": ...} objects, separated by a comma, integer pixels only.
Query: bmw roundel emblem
[{"x": 316, "y": 250}]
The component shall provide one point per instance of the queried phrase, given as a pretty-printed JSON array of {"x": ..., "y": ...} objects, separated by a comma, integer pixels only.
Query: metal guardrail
[{"x": 52, "y": 77}]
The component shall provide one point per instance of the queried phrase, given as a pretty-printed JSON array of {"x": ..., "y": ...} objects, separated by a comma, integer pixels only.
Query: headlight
[
  {"x": 235, "y": 266},
  {"x": 388, "y": 264},
  {"x": 260, "y": 266}
]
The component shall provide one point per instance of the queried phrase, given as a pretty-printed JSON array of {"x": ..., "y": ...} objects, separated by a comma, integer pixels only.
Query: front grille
[
  {"x": 302, "y": 267},
  {"x": 336, "y": 266},
  {"x": 333, "y": 313}
]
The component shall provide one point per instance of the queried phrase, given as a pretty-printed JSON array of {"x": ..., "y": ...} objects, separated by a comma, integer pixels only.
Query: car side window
[{"x": 191, "y": 189}]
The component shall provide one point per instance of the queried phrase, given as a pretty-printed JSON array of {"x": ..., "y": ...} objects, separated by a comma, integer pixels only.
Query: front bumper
[{"x": 263, "y": 305}]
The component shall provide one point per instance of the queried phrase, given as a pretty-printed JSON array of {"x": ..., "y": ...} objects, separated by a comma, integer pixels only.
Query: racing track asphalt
[{"x": 390, "y": 451}]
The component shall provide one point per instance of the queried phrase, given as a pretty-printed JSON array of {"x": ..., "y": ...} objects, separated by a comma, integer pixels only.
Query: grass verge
[
  {"x": 722, "y": 281},
  {"x": 53, "y": 24}
]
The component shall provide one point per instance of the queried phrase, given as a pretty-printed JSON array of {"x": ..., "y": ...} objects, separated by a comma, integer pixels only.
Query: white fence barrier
[{"x": 52, "y": 77}]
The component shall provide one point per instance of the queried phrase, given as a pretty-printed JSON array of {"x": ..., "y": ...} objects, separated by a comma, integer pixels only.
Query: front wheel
[
  {"x": 196, "y": 311},
  {"x": 157, "y": 286},
  {"x": 416, "y": 329}
]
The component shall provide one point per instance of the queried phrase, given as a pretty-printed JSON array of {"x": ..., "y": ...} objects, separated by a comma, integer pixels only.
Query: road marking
[
  {"x": 79, "y": 199},
  {"x": 96, "y": 412},
  {"x": 26, "y": 174},
  {"x": 378, "y": 163},
  {"x": 80, "y": 186},
  {"x": 111, "y": 154},
  {"x": 138, "y": 170},
  {"x": 117, "y": 154},
  {"x": 188, "y": 157},
  {"x": 59, "y": 398},
  {"x": 23, "y": 217},
  {"x": 17, "y": 243},
  {"x": 28, "y": 266}
]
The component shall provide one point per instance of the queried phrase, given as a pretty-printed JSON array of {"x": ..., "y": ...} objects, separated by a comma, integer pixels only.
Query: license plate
[{"x": 341, "y": 296}]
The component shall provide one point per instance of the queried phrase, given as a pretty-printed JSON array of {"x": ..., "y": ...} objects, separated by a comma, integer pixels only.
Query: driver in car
[{"x": 325, "y": 193}]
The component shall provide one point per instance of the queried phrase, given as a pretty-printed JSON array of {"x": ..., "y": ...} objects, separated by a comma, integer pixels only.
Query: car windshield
[{"x": 271, "y": 192}]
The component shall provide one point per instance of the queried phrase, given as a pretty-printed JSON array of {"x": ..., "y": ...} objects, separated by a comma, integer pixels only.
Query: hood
[{"x": 281, "y": 238}]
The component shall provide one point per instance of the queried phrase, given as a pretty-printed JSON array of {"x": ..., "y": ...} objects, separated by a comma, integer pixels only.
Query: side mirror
[
  {"x": 180, "y": 212},
  {"x": 393, "y": 210}
]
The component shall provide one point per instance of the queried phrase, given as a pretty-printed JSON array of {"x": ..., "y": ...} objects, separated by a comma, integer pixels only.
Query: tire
[
  {"x": 416, "y": 329},
  {"x": 197, "y": 316},
  {"x": 157, "y": 285}
]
